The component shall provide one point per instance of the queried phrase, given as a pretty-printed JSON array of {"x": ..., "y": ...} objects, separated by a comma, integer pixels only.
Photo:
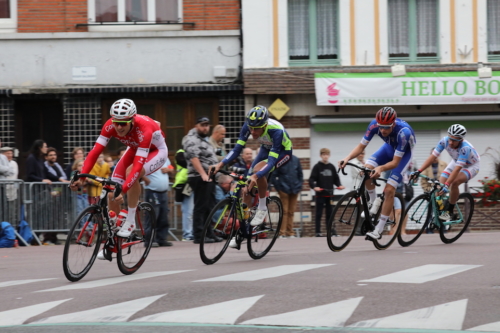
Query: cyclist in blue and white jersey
[
  {"x": 275, "y": 151},
  {"x": 395, "y": 155},
  {"x": 463, "y": 167}
]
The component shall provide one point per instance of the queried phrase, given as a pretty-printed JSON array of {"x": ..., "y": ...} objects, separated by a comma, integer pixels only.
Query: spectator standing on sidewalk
[
  {"x": 9, "y": 153},
  {"x": 6, "y": 169},
  {"x": 183, "y": 194},
  {"x": 323, "y": 177},
  {"x": 288, "y": 180},
  {"x": 35, "y": 168},
  {"x": 157, "y": 186},
  {"x": 78, "y": 153},
  {"x": 54, "y": 171},
  {"x": 200, "y": 155},
  {"x": 217, "y": 141},
  {"x": 100, "y": 169}
]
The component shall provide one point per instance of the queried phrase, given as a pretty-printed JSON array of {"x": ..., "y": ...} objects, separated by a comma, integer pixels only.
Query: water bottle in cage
[{"x": 375, "y": 206}]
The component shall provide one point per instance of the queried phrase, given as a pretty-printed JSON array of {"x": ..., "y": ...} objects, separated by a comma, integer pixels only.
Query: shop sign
[{"x": 412, "y": 89}]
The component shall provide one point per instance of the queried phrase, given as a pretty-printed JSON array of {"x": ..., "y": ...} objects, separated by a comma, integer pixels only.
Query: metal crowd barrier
[{"x": 54, "y": 207}]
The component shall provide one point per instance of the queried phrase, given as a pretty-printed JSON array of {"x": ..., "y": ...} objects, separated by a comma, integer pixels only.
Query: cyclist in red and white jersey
[{"x": 146, "y": 153}]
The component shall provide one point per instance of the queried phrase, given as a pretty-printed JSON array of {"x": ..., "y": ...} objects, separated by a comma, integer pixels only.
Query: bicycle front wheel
[
  {"x": 342, "y": 223},
  {"x": 221, "y": 223},
  {"x": 460, "y": 221},
  {"x": 264, "y": 235},
  {"x": 416, "y": 219},
  {"x": 393, "y": 225},
  {"x": 82, "y": 244},
  {"x": 133, "y": 251}
]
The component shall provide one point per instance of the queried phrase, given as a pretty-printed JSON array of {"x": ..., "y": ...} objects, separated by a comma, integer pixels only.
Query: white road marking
[
  {"x": 110, "y": 281},
  {"x": 422, "y": 274},
  {"x": 219, "y": 313},
  {"x": 19, "y": 316},
  {"x": 18, "y": 282},
  {"x": 111, "y": 313},
  {"x": 265, "y": 273},
  {"x": 362, "y": 284},
  {"x": 329, "y": 315},
  {"x": 448, "y": 316},
  {"x": 492, "y": 327}
]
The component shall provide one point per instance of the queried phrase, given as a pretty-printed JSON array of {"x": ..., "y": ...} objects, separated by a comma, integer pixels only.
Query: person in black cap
[{"x": 200, "y": 155}]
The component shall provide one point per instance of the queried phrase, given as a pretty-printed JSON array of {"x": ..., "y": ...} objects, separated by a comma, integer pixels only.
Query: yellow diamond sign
[{"x": 278, "y": 109}]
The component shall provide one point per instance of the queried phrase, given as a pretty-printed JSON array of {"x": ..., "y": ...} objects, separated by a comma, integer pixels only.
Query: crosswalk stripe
[
  {"x": 422, "y": 274},
  {"x": 447, "y": 316},
  {"x": 265, "y": 273},
  {"x": 18, "y": 282},
  {"x": 110, "y": 281},
  {"x": 329, "y": 315},
  {"x": 492, "y": 327},
  {"x": 19, "y": 316},
  {"x": 219, "y": 313},
  {"x": 111, "y": 313}
]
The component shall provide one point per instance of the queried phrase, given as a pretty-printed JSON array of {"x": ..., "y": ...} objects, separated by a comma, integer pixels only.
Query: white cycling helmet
[
  {"x": 123, "y": 109},
  {"x": 457, "y": 130}
]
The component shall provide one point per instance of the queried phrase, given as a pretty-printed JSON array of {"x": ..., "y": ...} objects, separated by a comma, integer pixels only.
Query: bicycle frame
[{"x": 436, "y": 186}]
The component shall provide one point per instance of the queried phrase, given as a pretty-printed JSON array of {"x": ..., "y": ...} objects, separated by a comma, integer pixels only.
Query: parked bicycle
[
  {"x": 423, "y": 213},
  {"x": 350, "y": 209},
  {"x": 231, "y": 218},
  {"x": 93, "y": 227}
]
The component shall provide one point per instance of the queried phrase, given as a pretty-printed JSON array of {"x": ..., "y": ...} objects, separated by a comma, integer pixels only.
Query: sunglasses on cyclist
[
  {"x": 384, "y": 126},
  {"x": 121, "y": 123},
  {"x": 457, "y": 140},
  {"x": 256, "y": 127}
]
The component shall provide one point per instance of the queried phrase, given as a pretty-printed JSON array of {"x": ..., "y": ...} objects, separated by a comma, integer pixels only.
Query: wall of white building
[
  {"x": 120, "y": 58},
  {"x": 259, "y": 30}
]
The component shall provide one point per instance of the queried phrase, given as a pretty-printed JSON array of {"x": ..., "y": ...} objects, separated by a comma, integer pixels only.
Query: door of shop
[{"x": 38, "y": 119}]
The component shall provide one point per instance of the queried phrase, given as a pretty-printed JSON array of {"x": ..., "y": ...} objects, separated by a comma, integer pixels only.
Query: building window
[
  {"x": 8, "y": 16},
  {"x": 313, "y": 32},
  {"x": 493, "y": 30},
  {"x": 137, "y": 12},
  {"x": 413, "y": 31}
]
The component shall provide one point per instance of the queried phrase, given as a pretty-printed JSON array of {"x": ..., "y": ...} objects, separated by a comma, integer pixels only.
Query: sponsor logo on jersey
[
  {"x": 396, "y": 178},
  {"x": 156, "y": 136},
  {"x": 283, "y": 161},
  {"x": 129, "y": 142},
  {"x": 402, "y": 139},
  {"x": 157, "y": 165},
  {"x": 132, "y": 181},
  {"x": 108, "y": 128},
  {"x": 140, "y": 134}
]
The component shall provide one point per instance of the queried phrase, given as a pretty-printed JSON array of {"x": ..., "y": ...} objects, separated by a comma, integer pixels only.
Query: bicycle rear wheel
[
  {"x": 416, "y": 219},
  {"x": 133, "y": 251},
  {"x": 82, "y": 244},
  {"x": 342, "y": 223},
  {"x": 264, "y": 235},
  {"x": 463, "y": 212},
  {"x": 221, "y": 222},
  {"x": 392, "y": 227}
]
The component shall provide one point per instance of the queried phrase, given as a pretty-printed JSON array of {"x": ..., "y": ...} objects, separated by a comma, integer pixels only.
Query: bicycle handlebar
[
  {"x": 104, "y": 181},
  {"x": 361, "y": 169}
]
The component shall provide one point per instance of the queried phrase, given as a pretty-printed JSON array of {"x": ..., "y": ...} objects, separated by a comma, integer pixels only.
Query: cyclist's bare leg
[
  {"x": 261, "y": 185},
  {"x": 454, "y": 187},
  {"x": 133, "y": 194}
]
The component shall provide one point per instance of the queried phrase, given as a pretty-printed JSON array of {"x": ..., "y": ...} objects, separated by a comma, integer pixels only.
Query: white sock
[
  {"x": 381, "y": 223},
  {"x": 131, "y": 214},
  {"x": 372, "y": 194},
  {"x": 262, "y": 204}
]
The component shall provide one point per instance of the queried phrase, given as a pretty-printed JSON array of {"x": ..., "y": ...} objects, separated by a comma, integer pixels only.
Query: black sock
[{"x": 450, "y": 208}]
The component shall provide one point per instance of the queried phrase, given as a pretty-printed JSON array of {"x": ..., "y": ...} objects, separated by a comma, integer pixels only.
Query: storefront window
[
  {"x": 313, "y": 31},
  {"x": 493, "y": 30},
  {"x": 413, "y": 30}
]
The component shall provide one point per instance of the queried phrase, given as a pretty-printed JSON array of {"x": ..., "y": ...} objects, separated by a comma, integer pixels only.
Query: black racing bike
[
  {"x": 352, "y": 209},
  {"x": 94, "y": 228}
]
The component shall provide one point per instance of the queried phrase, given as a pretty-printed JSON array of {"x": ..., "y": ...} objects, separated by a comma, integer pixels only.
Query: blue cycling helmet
[{"x": 258, "y": 116}]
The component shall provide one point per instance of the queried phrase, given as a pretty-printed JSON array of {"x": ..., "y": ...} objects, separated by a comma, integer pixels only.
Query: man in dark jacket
[
  {"x": 288, "y": 182},
  {"x": 323, "y": 177}
]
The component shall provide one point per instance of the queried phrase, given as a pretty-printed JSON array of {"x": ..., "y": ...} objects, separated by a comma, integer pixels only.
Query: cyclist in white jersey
[{"x": 463, "y": 167}]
